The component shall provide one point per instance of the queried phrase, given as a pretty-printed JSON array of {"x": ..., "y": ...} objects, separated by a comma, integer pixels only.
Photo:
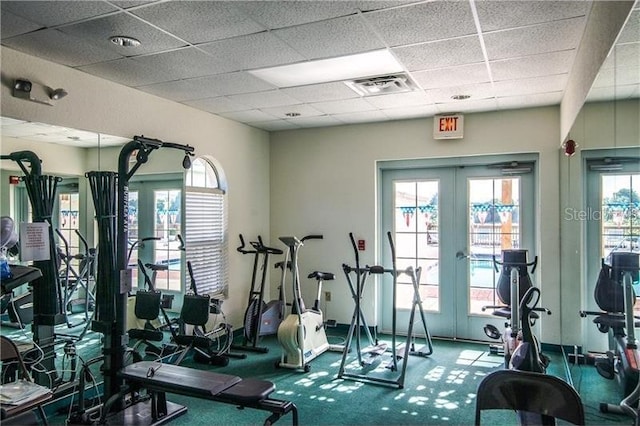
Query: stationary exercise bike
[
  {"x": 301, "y": 334},
  {"x": 614, "y": 294},
  {"x": 521, "y": 347},
  {"x": 513, "y": 283},
  {"x": 260, "y": 318}
]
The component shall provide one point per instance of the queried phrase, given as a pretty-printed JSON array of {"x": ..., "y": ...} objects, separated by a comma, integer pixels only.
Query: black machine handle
[
  {"x": 258, "y": 247},
  {"x": 140, "y": 243},
  {"x": 83, "y": 240},
  {"x": 182, "y": 246},
  {"x": 242, "y": 249},
  {"x": 147, "y": 279},
  {"x": 534, "y": 263},
  {"x": 267, "y": 249},
  {"x": 312, "y": 237},
  {"x": 355, "y": 249},
  {"x": 30, "y": 157},
  {"x": 194, "y": 288}
]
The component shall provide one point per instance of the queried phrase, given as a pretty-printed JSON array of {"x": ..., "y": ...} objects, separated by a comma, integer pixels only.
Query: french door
[
  {"x": 451, "y": 222},
  {"x": 612, "y": 218}
]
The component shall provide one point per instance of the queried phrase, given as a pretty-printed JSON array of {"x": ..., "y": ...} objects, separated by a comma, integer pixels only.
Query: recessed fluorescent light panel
[{"x": 379, "y": 62}]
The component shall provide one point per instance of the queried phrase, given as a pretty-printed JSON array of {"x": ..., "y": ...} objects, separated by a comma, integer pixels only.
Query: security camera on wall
[{"x": 35, "y": 92}]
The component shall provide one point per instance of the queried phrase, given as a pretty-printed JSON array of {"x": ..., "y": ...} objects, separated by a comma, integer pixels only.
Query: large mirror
[{"x": 600, "y": 183}]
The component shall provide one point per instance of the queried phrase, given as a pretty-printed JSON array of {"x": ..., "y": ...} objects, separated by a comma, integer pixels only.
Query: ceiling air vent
[{"x": 383, "y": 85}]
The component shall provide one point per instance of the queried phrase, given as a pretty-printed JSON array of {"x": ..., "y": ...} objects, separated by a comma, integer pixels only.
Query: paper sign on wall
[{"x": 34, "y": 241}]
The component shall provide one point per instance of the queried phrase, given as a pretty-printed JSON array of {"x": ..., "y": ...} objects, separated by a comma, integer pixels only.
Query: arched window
[{"x": 206, "y": 226}]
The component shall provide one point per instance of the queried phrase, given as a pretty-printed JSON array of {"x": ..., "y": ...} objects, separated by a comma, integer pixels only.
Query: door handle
[{"x": 461, "y": 255}]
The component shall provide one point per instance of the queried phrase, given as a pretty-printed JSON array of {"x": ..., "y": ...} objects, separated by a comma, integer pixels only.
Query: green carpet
[{"x": 439, "y": 389}]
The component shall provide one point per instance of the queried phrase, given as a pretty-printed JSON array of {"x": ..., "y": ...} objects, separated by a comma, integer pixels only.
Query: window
[
  {"x": 167, "y": 228},
  {"x": 68, "y": 223},
  {"x": 205, "y": 235}
]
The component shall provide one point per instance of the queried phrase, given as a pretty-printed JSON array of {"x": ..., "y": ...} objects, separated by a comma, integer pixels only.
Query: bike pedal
[{"x": 604, "y": 367}]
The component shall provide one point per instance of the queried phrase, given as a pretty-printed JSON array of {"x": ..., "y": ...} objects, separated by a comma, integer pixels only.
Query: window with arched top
[{"x": 205, "y": 234}]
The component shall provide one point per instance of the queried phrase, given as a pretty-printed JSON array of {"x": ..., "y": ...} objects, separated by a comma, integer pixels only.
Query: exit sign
[{"x": 449, "y": 126}]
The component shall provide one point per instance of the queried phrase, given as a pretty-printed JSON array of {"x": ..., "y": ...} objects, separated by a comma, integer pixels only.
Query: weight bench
[{"x": 160, "y": 379}]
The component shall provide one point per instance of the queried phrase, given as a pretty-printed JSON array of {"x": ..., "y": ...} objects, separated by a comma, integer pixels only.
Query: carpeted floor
[{"x": 439, "y": 389}]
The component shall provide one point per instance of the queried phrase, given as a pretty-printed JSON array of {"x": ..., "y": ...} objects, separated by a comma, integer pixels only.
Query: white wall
[
  {"x": 324, "y": 181},
  {"x": 98, "y": 105}
]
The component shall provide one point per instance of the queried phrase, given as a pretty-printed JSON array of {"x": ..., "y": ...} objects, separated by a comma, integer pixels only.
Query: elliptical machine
[
  {"x": 301, "y": 334},
  {"x": 614, "y": 294},
  {"x": 260, "y": 318}
]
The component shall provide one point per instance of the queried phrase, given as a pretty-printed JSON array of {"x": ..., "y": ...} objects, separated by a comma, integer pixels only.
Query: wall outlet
[{"x": 327, "y": 296}]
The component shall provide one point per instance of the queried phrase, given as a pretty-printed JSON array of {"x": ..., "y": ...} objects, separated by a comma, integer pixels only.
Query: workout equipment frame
[
  {"x": 397, "y": 353},
  {"x": 260, "y": 318}
]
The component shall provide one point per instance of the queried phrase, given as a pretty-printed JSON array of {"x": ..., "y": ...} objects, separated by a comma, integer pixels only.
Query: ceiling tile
[
  {"x": 274, "y": 125},
  {"x": 423, "y": 22},
  {"x": 455, "y": 76},
  {"x": 395, "y": 100},
  {"x": 316, "y": 121},
  {"x": 467, "y": 106},
  {"x": 56, "y": 46},
  {"x": 99, "y": 30},
  {"x": 7, "y": 121},
  {"x": 321, "y": 92},
  {"x": 12, "y": 25},
  {"x": 179, "y": 90},
  {"x": 185, "y": 63},
  {"x": 343, "y": 106},
  {"x": 199, "y": 21},
  {"x": 528, "y": 86},
  {"x": 608, "y": 93},
  {"x": 527, "y": 101},
  {"x": 362, "y": 117},
  {"x": 631, "y": 31},
  {"x": 476, "y": 91},
  {"x": 217, "y": 105},
  {"x": 543, "y": 38},
  {"x": 52, "y": 13},
  {"x": 303, "y": 109},
  {"x": 619, "y": 76},
  {"x": 126, "y": 71},
  {"x": 126, "y": 4},
  {"x": 623, "y": 55},
  {"x": 248, "y": 116},
  {"x": 275, "y": 14},
  {"x": 252, "y": 51},
  {"x": 410, "y": 112},
  {"x": 440, "y": 54},
  {"x": 232, "y": 83},
  {"x": 336, "y": 37},
  {"x": 495, "y": 15},
  {"x": 533, "y": 66},
  {"x": 267, "y": 99}
]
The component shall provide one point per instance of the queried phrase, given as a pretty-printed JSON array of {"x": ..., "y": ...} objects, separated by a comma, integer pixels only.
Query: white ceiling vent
[{"x": 383, "y": 85}]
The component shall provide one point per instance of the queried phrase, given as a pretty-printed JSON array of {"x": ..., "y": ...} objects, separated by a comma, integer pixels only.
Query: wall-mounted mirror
[{"x": 600, "y": 184}]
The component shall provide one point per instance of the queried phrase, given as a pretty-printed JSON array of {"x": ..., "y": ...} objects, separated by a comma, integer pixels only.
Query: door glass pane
[
  {"x": 620, "y": 214},
  {"x": 494, "y": 212},
  {"x": 167, "y": 227},
  {"x": 620, "y": 207},
  {"x": 133, "y": 235},
  {"x": 68, "y": 223},
  {"x": 417, "y": 239}
]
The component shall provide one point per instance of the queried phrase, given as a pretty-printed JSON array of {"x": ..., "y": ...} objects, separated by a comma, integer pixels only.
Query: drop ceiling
[{"x": 205, "y": 54}]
